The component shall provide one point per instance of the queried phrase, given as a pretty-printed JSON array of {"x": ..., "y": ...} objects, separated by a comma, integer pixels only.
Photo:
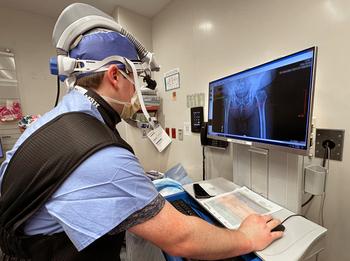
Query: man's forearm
[
  {"x": 202, "y": 240},
  {"x": 181, "y": 235}
]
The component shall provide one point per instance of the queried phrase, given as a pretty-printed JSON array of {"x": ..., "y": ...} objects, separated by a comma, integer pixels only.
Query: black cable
[
  {"x": 327, "y": 145},
  {"x": 307, "y": 201},
  {"x": 330, "y": 145},
  {"x": 58, "y": 91},
  {"x": 203, "y": 162},
  {"x": 325, "y": 156},
  {"x": 294, "y": 215}
]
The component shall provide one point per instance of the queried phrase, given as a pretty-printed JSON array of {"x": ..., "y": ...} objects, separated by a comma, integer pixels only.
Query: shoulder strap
[{"x": 43, "y": 162}]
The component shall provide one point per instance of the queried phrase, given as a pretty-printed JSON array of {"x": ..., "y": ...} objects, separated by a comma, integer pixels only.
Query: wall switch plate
[
  {"x": 187, "y": 128},
  {"x": 337, "y": 136},
  {"x": 144, "y": 133},
  {"x": 181, "y": 134}
]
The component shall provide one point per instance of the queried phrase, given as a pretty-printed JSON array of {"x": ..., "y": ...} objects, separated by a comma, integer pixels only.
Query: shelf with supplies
[
  {"x": 152, "y": 101},
  {"x": 10, "y": 104},
  {"x": 151, "y": 108}
]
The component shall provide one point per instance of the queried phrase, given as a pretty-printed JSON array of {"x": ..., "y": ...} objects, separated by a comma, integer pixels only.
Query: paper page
[
  {"x": 231, "y": 208},
  {"x": 159, "y": 138}
]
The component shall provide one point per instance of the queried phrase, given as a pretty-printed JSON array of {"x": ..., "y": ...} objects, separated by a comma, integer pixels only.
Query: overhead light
[
  {"x": 206, "y": 26},
  {"x": 335, "y": 12}
]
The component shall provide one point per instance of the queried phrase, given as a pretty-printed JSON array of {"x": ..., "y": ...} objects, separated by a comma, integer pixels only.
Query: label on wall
[
  {"x": 195, "y": 100},
  {"x": 172, "y": 79},
  {"x": 187, "y": 128}
]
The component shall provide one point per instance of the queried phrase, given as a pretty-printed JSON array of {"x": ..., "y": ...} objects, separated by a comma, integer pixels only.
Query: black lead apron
[{"x": 38, "y": 167}]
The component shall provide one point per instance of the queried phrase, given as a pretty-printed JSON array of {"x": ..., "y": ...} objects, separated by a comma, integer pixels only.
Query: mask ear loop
[{"x": 152, "y": 121}]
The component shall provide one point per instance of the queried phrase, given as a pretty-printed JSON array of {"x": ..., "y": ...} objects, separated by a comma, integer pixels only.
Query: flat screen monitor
[{"x": 269, "y": 105}]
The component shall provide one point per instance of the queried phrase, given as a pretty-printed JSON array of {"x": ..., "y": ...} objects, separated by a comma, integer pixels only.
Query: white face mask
[{"x": 130, "y": 108}]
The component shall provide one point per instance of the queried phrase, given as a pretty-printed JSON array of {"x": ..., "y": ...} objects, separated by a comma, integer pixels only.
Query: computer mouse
[{"x": 280, "y": 227}]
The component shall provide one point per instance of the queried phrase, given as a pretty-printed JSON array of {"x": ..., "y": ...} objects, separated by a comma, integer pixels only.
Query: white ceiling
[{"x": 53, "y": 8}]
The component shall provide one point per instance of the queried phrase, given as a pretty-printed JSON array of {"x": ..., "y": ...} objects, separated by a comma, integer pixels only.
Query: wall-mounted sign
[
  {"x": 195, "y": 100},
  {"x": 172, "y": 79}
]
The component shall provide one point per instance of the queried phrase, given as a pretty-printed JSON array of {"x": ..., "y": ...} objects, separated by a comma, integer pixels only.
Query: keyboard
[{"x": 183, "y": 207}]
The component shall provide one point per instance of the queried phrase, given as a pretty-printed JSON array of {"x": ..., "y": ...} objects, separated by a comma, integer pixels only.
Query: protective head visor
[
  {"x": 95, "y": 51},
  {"x": 74, "y": 22}
]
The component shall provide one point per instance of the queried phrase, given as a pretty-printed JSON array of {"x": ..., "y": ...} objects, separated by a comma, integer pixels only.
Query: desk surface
[{"x": 301, "y": 240}]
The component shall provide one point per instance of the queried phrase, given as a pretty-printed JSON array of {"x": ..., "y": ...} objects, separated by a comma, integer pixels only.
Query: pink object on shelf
[{"x": 11, "y": 111}]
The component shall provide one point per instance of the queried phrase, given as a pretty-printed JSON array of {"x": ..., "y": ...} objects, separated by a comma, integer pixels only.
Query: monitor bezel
[{"x": 266, "y": 145}]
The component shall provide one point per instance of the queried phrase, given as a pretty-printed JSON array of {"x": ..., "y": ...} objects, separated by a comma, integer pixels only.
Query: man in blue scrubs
[{"x": 108, "y": 193}]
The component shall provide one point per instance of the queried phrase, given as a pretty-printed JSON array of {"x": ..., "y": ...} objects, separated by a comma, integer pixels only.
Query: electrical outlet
[
  {"x": 337, "y": 136},
  {"x": 144, "y": 133}
]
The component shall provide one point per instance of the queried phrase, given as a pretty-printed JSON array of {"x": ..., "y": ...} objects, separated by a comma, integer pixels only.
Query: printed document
[{"x": 231, "y": 208}]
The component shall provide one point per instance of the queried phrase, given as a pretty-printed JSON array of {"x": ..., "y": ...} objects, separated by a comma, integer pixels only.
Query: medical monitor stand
[{"x": 272, "y": 173}]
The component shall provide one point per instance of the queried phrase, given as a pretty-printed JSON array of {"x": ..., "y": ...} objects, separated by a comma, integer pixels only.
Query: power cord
[
  {"x": 321, "y": 217},
  {"x": 294, "y": 215},
  {"x": 328, "y": 145},
  {"x": 308, "y": 201}
]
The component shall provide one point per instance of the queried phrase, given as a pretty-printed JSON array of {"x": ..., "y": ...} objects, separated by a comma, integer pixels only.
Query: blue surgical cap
[{"x": 102, "y": 44}]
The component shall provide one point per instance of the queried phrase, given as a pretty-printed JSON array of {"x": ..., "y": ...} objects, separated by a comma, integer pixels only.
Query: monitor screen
[{"x": 267, "y": 105}]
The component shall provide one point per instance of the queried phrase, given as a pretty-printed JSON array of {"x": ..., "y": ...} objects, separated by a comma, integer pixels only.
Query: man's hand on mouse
[{"x": 257, "y": 229}]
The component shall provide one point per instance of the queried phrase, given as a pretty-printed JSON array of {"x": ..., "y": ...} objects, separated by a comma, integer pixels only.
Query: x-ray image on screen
[
  {"x": 245, "y": 104},
  {"x": 269, "y": 103}
]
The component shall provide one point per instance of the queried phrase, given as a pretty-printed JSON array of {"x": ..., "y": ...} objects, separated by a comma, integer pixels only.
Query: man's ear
[{"x": 112, "y": 74}]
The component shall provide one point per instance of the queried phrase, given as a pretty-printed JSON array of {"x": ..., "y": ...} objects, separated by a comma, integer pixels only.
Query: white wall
[
  {"x": 244, "y": 34},
  {"x": 28, "y": 36},
  {"x": 141, "y": 28}
]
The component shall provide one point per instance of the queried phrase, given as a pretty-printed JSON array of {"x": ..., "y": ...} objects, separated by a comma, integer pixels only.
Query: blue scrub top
[{"x": 102, "y": 192}]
